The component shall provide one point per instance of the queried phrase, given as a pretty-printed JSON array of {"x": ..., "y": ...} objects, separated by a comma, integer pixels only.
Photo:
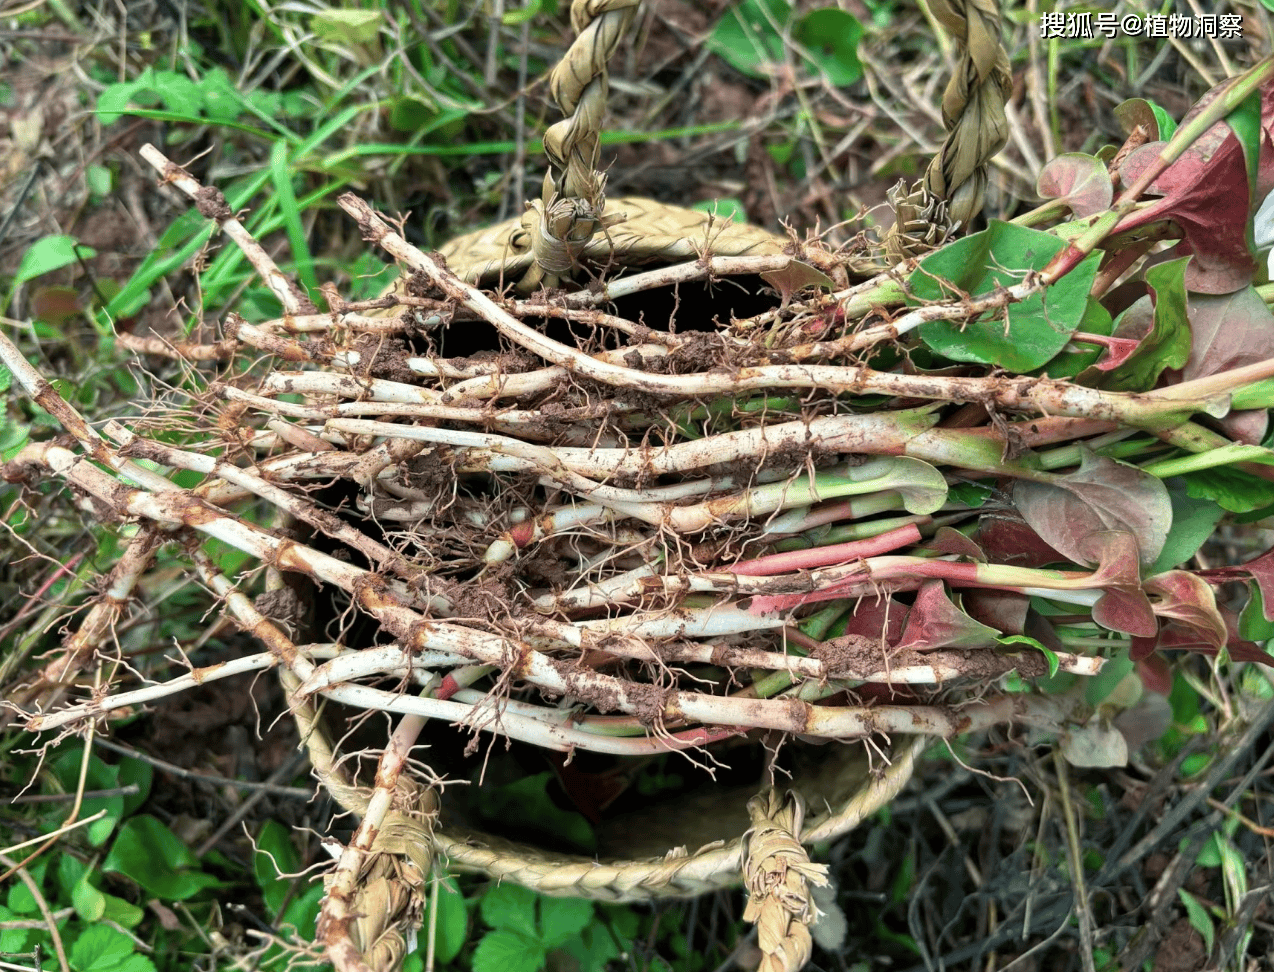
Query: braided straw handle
[
  {"x": 679, "y": 873},
  {"x": 569, "y": 212},
  {"x": 973, "y": 113},
  {"x": 972, "y": 105}
]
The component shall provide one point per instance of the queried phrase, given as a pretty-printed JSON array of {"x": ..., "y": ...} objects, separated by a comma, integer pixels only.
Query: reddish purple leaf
[
  {"x": 934, "y": 621},
  {"x": 1101, "y": 496},
  {"x": 1155, "y": 674},
  {"x": 1260, "y": 569},
  {"x": 1006, "y": 611},
  {"x": 1205, "y": 192},
  {"x": 1123, "y": 606},
  {"x": 1227, "y": 331},
  {"x": 1248, "y": 426},
  {"x": 949, "y": 540},
  {"x": 1207, "y": 198},
  {"x": 1080, "y": 180},
  {"x": 1175, "y": 637},
  {"x": 1007, "y": 539},
  {"x": 1240, "y": 649},
  {"x": 1126, "y": 611},
  {"x": 1249, "y": 651},
  {"x": 878, "y": 618},
  {"x": 1143, "y": 648},
  {"x": 1265, "y": 167},
  {"x": 1188, "y": 600},
  {"x": 1116, "y": 554}
]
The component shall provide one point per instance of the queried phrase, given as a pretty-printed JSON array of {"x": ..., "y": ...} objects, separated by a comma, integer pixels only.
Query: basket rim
[{"x": 680, "y": 872}]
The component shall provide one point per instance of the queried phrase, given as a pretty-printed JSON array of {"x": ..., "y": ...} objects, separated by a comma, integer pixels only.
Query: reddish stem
[{"x": 839, "y": 553}]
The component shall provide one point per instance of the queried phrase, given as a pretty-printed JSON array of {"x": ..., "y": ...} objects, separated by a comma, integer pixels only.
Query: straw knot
[
  {"x": 921, "y": 223},
  {"x": 388, "y": 903},
  {"x": 561, "y": 230},
  {"x": 778, "y": 874}
]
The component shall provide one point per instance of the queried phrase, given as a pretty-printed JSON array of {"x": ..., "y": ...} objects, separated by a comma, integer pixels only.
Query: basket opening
[
  {"x": 699, "y": 306},
  {"x": 686, "y": 307}
]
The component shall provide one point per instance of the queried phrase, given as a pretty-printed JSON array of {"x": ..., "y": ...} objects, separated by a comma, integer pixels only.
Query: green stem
[
  {"x": 846, "y": 532},
  {"x": 1110, "y": 445},
  {"x": 1233, "y": 96},
  {"x": 1041, "y": 213},
  {"x": 1195, "y": 438},
  {"x": 817, "y": 625},
  {"x": 1234, "y": 382},
  {"x": 1257, "y": 395},
  {"x": 888, "y": 292},
  {"x": 1223, "y": 456},
  {"x": 967, "y": 449}
]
